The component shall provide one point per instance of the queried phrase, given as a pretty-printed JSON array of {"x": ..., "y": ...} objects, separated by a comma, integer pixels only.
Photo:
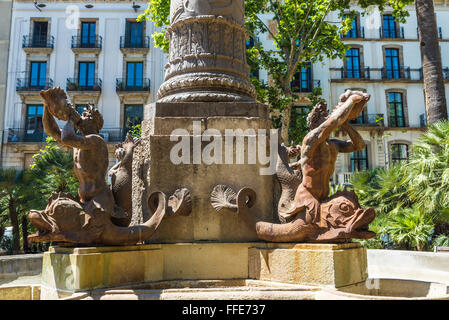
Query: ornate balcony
[
  {"x": 391, "y": 33},
  {"x": 300, "y": 86},
  {"x": 113, "y": 134},
  {"x": 138, "y": 90},
  {"x": 87, "y": 44},
  {"x": 38, "y": 44},
  {"x": 370, "y": 119},
  {"x": 134, "y": 45},
  {"x": 85, "y": 91},
  {"x": 122, "y": 85},
  {"x": 74, "y": 84},
  {"x": 13, "y": 135}
]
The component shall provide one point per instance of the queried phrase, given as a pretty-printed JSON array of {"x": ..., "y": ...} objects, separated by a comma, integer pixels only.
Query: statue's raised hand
[{"x": 56, "y": 103}]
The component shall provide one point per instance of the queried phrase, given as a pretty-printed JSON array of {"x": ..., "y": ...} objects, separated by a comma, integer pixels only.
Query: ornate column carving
[{"x": 207, "y": 55}]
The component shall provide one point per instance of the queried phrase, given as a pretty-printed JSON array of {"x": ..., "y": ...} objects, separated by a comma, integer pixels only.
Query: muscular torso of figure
[
  {"x": 90, "y": 168},
  {"x": 318, "y": 168}
]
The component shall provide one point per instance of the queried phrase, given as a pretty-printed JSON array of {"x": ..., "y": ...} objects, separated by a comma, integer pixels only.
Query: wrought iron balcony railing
[
  {"x": 33, "y": 84},
  {"x": 391, "y": 33},
  {"x": 397, "y": 73},
  {"x": 387, "y": 74},
  {"x": 125, "y": 84},
  {"x": 30, "y": 41},
  {"x": 130, "y": 42},
  {"x": 361, "y": 73},
  {"x": 89, "y": 84},
  {"x": 24, "y": 135},
  {"x": 94, "y": 42},
  {"x": 373, "y": 119},
  {"x": 355, "y": 34},
  {"x": 113, "y": 134},
  {"x": 304, "y": 85}
]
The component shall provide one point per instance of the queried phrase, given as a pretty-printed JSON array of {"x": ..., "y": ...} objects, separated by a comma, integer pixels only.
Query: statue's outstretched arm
[
  {"x": 50, "y": 126},
  {"x": 336, "y": 119},
  {"x": 356, "y": 143},
  {"x": 70, "y": 138}
]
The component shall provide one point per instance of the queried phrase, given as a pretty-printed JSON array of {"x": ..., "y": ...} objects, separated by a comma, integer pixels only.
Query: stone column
[
  {"x": 207, "y": 59},
  {"x": 207, "y": 83}
]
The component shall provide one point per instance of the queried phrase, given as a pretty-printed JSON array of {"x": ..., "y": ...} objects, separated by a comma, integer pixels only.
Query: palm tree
[
  {"x": 431, "y": 62},
  {"x": 428, "y": 171},
  {"x": 52, "y": 170},
  {"x": 11, "y": 194}
]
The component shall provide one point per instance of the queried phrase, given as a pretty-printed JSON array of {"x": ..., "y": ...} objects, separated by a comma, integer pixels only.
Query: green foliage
[
  {"x": 413, "y": 195},
  {"x": 159, "y": 13},
  {"x": 303, "y": 34},
  {"x": 380, "y": 241},
  {"x": 382, "y": 189},
  {"x": 428, "y": 171},
  {"x": 52, "y": 171},
  {"x": 136, "y": 131},
  {"x": 442, "y": 240},
  {"x": 410, "y": 228}
]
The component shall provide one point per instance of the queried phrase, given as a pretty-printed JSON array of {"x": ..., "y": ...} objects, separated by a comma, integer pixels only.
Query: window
[
  {"x": 353, "y": 63},
  {"x": 133, "y": 116},
  {"x": 88, "y": 34},
  {"x": 38, "y": 74},
  {"x": 33, "y": 127},
  {"x": 134, "y": 34},
  {"x": 302, "y": 80},
  {"x": 389, "y": 27},
  {"x": 359, "y": 160},
  {"x": 353, "y": 33},
  {"x": 392, "y": 63},
  {"x": 399, "y": 153},
  {"x": 134, "y": 75},
  {"x": 40, "y": 30},
  {"x": 396, "y": 109},
  {"x": 86, "y": 76}
]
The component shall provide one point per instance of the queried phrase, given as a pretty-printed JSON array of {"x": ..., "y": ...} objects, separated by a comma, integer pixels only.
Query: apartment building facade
[
  {"x": 384, "y": 60},
  {"x": 94, "y": 50},
  {"x": 98, "y": 53}
]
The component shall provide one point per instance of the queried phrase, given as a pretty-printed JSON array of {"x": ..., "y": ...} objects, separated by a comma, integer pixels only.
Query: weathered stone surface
[
  {"x": 153, "y": 170},
  {"x": 309, "y": 264},
  {"x": 207, "y": 53},
  {"x": 70, "y": 270}
]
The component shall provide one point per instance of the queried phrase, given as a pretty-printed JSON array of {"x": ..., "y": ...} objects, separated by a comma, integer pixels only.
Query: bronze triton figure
[
  {"x": 305, "y": 210},
  {"x": 101, "y": 215}
]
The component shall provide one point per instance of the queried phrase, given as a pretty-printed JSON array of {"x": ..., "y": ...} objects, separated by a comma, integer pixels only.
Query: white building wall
[
  {"x": 111, "y": 25},
  {"x": 61, "y": 64}
]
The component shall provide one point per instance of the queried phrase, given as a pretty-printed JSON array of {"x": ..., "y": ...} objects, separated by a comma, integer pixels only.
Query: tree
[
  {"x": 53, "y": 172},
  {"x": 301, "y": 34},
  {"x": 431, "y": 62},
  {"x": 12, "y": 200}
]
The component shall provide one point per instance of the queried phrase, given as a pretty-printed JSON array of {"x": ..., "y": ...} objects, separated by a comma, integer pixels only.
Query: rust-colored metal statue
[
  {"x": 103, "y": 213},
  {"x": 306, "y": 211}
]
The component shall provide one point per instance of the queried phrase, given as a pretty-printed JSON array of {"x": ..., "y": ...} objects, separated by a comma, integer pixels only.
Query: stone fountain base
[{"x": 67, "y": 271}]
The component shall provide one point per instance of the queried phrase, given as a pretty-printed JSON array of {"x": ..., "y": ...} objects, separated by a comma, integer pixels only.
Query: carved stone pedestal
[
  {"x": 146, "y": 271},
  {"x": 153, "y": 169},
  {"x": 333, "y": 265}
]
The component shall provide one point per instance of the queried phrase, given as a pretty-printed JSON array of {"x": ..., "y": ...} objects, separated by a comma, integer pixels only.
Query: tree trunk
[
  {"x": 286, "y": 116},
  {"x": 26, "y": 249},
  {"x": 13, "y": 217},
  {"x": 431, "y": 62}
]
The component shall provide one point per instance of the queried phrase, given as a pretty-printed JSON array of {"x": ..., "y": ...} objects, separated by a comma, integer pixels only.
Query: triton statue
[
  {"x": 305, "y": 209},
  {"x": 103, "y": 212}
]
